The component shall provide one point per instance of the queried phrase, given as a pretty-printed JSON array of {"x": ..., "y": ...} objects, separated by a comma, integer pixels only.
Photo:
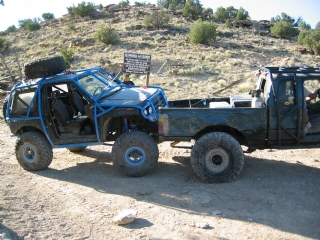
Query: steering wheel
[{"x": 96, "y": 90}]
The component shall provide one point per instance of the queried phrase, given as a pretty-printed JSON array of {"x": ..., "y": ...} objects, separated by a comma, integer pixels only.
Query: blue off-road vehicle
[{"x": 54, "y": 108}]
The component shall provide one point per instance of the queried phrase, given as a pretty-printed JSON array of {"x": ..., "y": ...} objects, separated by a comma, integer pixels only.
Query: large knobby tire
[
  {"x": 4, "y": 108},
  {"x": 77, "y": 149},
  {"x": 33, "y": 151},
  {"x": 135, "y": 154},
  {"x": 44, "y": 67},
  {"x": 217, "y": 157}
]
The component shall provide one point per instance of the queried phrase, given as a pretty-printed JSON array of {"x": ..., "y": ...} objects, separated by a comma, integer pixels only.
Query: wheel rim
[
  {"x": 29, "y": 153},
  {"x": 135, "y": 156},
  {"x": 217, "y": 160}
]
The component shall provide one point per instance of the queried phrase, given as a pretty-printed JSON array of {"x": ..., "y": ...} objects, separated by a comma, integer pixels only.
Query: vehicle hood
[{"x": 129, "y": 96}]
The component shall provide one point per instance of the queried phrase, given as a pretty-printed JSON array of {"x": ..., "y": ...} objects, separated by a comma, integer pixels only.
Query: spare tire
[{"x": 44, "y": 67}]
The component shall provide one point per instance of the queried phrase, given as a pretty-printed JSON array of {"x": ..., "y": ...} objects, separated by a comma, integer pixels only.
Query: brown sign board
[{"x": 137, "y": 63}]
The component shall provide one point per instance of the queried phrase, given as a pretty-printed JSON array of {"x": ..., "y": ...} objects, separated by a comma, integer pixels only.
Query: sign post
[{"x": 137, "y": 63}]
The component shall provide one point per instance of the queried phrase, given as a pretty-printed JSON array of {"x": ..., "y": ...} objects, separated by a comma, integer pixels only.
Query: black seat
[
  {"x": 76, "y": 101},
  {"x": 64, "y": 115},
  {"x": 79, "y": 105}
]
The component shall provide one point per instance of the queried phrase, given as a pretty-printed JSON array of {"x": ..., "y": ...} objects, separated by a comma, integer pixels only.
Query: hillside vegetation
[{"x": 234, "y": 53}]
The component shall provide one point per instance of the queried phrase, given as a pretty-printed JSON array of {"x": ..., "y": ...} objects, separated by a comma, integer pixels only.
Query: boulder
[
  {"x": 125, "y": 217},
  {"x": 242, "y": 23},
  {"x": 111, "y": 7},
  {"x": 77, "y": 43},
  {"x": 159, "y": 39}
]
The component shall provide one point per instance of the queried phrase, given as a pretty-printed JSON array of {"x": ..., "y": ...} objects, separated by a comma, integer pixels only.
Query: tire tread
[
  {"x": 44, "y": 151},
  {"x": 140, "y": 139},
  {"x": 217, "y": 139}
]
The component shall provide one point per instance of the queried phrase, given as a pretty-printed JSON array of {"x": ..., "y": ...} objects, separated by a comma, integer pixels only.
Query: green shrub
[
  {"x": 221, "y": 13},
  {"x": 140, "y": 4},
  {"x": 228, "y": 23},
  {"x": 171, "y": 4},
  {"x": 4, "y": 45},
  {"x": 282, "y": 29},
  {"x": 83, "y": 9},
  {"x": 231, "y": 13},
  {"x": 33, "y": 26},
  {"x": 69, "y": 9},
  {"x": 202, "y": 32},
  {"x": 285, "y": 17},
  {"x": 304, "y": 26},
  {"x": 100, "y": 6},
  {"x": 242, "y": 14},
  {"x": 316, "y": 48},
  {"x": 124, "y": 3},
  {"x": 207, "y": 11},
  {"x": 192, "y": 8},
  {"x": 107, "y": 35},
  {"x": 10, "y": 29},
  {"x": 23, "y": 23},
  {"x": 30, "y": 24},
  {"x": 67, "y": 54},
  {"x": 157, "y": 19},
  {"x": 311, "y": 40},
  {"x": 284, "y": 25},
  {"x": 47, "y": 16}
]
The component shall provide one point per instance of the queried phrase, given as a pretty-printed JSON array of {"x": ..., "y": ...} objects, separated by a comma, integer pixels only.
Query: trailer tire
[
  {"x": 33, "y": 151},
  {"x": 135, "y": 154},
  {"x": 217, "y": 157},
  {"x": 44, "y": 67},
  {"x": 76, "y": 149}
]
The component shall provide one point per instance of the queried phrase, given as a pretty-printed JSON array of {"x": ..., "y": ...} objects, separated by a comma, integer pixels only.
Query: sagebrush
[{"x": 202, "y": 32}]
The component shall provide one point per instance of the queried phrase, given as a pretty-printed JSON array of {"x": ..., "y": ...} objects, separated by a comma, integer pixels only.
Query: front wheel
[
  {"x": 217, "y": 157},
  {"x": 33, "y": 151},
  {"x": 4, "y": 108},
  {"x": 135, "y": 154}
]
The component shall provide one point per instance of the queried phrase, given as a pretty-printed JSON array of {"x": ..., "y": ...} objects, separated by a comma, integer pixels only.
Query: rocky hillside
[{"x": 187, "y": 70}]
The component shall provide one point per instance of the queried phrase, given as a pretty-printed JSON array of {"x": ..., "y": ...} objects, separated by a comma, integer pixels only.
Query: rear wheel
[
  {"x": 135, "y": 154},
  {"x": 217, "y": 157},
  {"x": 33, "y": 151}
]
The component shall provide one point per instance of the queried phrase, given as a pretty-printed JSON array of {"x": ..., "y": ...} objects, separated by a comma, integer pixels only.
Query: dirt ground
[{"x": 277, "y": 196}]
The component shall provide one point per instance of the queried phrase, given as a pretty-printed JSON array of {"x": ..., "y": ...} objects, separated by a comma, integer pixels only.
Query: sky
[{"x": 15, "y": 10}]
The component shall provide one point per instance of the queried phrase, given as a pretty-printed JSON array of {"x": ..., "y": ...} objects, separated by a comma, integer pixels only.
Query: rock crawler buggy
[{"x": 54, "y": 108}]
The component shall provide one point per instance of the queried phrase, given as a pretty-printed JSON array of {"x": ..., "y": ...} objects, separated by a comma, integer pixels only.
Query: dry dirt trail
[{"x": 277, "y": 196}]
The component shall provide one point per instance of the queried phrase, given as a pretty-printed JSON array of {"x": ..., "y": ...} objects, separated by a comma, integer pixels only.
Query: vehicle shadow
[
  {"x": 6, "y": 233},
  {"x": 277, "y": 194}
]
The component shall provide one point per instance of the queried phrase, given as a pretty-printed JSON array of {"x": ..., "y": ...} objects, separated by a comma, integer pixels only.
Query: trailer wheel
[
  {"x": 33, "y": 151},
  {"x": 76, "y": 149},
  {"x": 44, "y": 67},
  {"x": 217, "y": 157},
  {"x": 135, "y": 154}
]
